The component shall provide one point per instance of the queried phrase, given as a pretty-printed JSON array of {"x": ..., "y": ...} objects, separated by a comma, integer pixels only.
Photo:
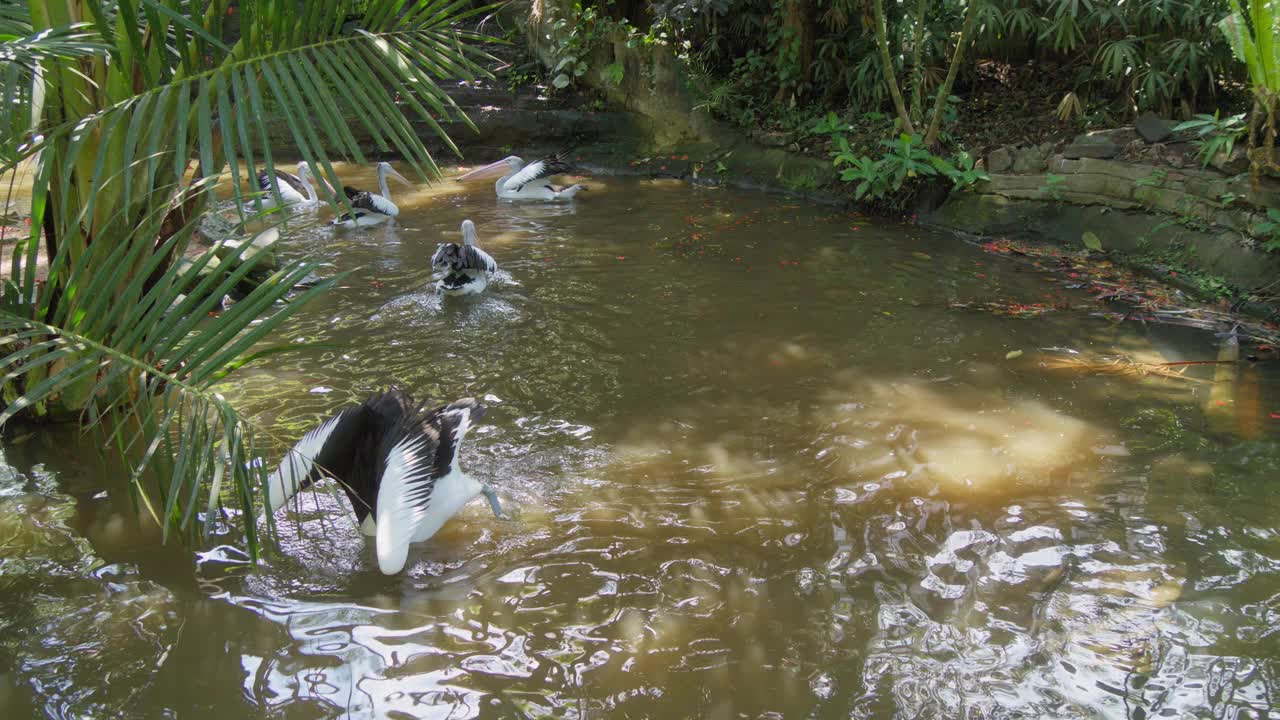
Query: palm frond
[
  {"x": 126, "y": 122},
  {"x": 151, "y": 362}
]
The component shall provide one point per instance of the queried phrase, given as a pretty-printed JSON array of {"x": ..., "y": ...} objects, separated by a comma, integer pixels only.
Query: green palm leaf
[{"x": 125, "y": 124}]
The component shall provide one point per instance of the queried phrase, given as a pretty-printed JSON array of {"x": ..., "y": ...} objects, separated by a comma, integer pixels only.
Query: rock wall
[{"x": 1142, "y": 196}]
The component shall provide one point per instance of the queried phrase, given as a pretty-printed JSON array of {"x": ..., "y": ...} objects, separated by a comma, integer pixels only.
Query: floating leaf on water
[
  {"x": 922, "y": 256},
  {"x": 1013, "y": 355},
  {"x": 1091, "y": 241}
]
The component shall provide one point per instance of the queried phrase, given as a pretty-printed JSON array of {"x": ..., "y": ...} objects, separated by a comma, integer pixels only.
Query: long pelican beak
[
  {"x": 491, "y": 170},
  {"x": 394, "y": 174},
  {"x": 320, "y": 180}
]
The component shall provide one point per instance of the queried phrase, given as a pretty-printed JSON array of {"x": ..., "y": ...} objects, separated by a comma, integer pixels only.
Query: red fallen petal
[
  {"x": 795, "y": 262},
  {"x": 981, "y": 275},
  {"x": 855, "y": 227},
  {"x": 1220, "y": 402},
  {"x": 1275, "y": 416},
  {"x": 684, "y": 157},
  {"x": 622, "y": 257},
  {"x": 1260, "y": 347}
]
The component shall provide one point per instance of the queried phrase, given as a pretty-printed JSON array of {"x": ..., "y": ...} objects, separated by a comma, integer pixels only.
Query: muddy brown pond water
[{"x": 760, "y": 468}]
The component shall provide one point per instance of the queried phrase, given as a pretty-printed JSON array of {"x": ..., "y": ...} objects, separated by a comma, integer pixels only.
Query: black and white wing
[
  {"x": 374, "y": 203},
  {"x": 291, "y": 188},
  {"x": 453, "y": 257},
  {"x": 446, "y": 256},
  {"x": 419, "y": 451},
  {"x": 365, "y": 203},
  {"x": 451, "y": 423},
  {"x": 480, "y": 260},
  {"x": 538, "y": 169},
  {"x": 327, "y": 449}
]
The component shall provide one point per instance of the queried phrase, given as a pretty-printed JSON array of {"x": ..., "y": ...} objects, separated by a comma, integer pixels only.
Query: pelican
[
  {"x": 295, "y": 190},
  {"x": 398, "y": 465},
  {"x": 523, "y": 182},
  {"x": 466, "y": 267},
  {"x": 370, "y": 208}
]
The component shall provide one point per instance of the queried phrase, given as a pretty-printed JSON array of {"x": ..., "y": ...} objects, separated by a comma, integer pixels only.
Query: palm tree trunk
[{"x": 51, "y": 252}]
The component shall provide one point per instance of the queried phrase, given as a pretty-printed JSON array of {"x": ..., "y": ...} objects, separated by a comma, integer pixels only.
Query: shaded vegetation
[{"x": 857, "y": 80}]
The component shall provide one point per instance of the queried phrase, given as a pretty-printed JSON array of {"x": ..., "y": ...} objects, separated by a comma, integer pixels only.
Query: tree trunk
[
  {"x": 917, "y": 64},
  {"x": 797, "y": 47},
  {"x": 944, "y": 92},
  {"x": 882, "y": 39}
]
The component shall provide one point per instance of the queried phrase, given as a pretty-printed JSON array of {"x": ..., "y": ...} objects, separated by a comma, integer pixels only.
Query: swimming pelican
[
  {"x": 295, "y": 190},
  {"x": 398, "y": 465},
  {"x": 466, "y": 266},
  {"x": 370, "y": 208},
  {"x": 521, "y": 182}
]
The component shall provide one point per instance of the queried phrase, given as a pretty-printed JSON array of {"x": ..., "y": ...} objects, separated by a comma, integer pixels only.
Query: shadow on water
[{"x": 762, "y": 465}]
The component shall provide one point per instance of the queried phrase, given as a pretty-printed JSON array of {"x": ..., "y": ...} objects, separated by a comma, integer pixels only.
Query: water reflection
[{"x": 763, "y": 468}]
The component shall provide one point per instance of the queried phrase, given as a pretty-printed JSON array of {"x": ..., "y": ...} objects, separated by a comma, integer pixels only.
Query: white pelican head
[
  {"x": 509, "y": 164},
  {"x": 385, "y": 170}
]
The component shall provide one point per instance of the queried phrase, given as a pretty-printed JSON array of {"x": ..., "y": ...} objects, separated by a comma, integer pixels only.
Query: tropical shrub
[
  {"x": 125, "y": 113},
  {"x": 902, "y": 161},
  {"x": 1252, "y": 35},
  {"x": 1214, "y": 134}
]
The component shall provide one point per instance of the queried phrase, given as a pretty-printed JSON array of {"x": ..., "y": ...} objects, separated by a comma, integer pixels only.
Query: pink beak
[{"x": 492, "y": 169}]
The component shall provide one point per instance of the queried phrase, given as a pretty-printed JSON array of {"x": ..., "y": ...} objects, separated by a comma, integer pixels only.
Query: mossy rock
[{"x": 1161, "y": 430}]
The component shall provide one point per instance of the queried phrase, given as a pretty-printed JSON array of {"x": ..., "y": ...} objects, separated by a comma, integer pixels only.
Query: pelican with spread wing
[
  {"x": 397, "y": 462},
  {"x": 465, "y": 268},
  {"x": 519, "y": 181}
]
